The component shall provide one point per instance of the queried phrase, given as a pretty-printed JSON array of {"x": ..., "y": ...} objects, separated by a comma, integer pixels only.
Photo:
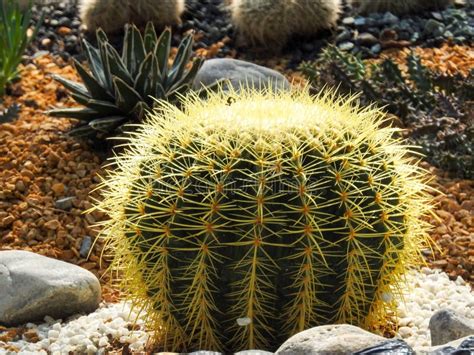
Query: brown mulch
[
  {"x": 39, "y": 164},
  {"x": 453, "y": 226}
]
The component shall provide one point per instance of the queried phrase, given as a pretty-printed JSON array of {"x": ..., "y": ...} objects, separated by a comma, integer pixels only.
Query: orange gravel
[
  {"x": 39, "y": 165},
  {"x": 446, "y": 60}
]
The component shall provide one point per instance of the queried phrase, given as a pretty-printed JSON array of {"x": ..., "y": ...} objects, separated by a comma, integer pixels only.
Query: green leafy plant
[
  {"x": 120, "y": 89},
  {"x": 420, "y": 98},
  {"x": 14, "y": 38},
  {"x": 235, "y": 223}
]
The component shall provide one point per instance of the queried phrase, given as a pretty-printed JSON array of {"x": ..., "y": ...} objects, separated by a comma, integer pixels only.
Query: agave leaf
[
  {"x": 143, "y": 77},
  {"x": 138, "y": 50},
  {"x": 141, "y": 109},
  {"x": 74, "y": 87},
  {"x": 191, "y": 74},
  {"x": 79, "y": 113},
  {"x": 107, "y": 124},
  {"x": 180, "y": 90},
  {"x": 105, "y": 62},
  {"x": 182, "y": 58},
  {"x": 117, "y": 67},
  {"x": 103, "y": 107},
  {"x": 81, "y": 99},
  {"x": 150, "y": 37},
  {"x": 101, "y": 37},
  {"x": 126, "y": 96},
  {"x": 82, "y": 131},
  {"x": 95, "y": 63},
  {"x": 155, "y": 81},
  {"x": 162, "y": 51},
  {"x": 96, "y": 90},
  {"x": 160, "y": 92},
  {"x": 127, "y": 49}
]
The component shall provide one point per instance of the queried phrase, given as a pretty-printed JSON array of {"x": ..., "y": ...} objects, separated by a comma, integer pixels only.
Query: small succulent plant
[
  {"x": 120, "y": 89},
  {"x": 434, "y": 108},
  {"x": 236, "y": 223}
]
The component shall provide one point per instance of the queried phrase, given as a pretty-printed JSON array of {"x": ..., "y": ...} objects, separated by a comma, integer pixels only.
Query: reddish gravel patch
[
  {"x": 40, "y": 165},
  {"x": 453, "y": 225}
]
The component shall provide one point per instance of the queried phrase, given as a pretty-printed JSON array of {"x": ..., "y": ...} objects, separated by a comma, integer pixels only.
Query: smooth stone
[
  {"x": 345, "y": 35},
  {"x": 445, "y": 326},
  {"x": 360, "y": 21},
  {"x": 392, "y": 346},
  {"x": 337, "y": 339},
  {"x": 348, "y": 21},
  {"x": 367, "y": 38},
  {"x": 33, "y": 286},
  {"x": 253, "y": 352},
  {"x": 346, "y": 46},
  {"x": 390, "y": 19},
  {"x": 85, "y": 246},
  {"x": 466, "y": 343},
  {"x": 437, "y": 16},
  {"x": 376, "y": 48},
  {"x": 239, "y": 74},
  {"x": 64, "y": 203},
  {"x": 433, "y": 27}
]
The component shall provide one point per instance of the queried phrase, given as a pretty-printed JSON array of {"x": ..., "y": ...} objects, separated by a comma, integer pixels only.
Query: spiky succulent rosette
[{"x": 248, "y": 217}]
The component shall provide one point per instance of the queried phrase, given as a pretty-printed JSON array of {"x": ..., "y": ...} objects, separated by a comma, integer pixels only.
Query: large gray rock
[
  {"x": 34, "y": 286},
  {"x": 446, "y": 325},
  {"x": 239, "y": 73},
  {"x": 338, "y": 339}
]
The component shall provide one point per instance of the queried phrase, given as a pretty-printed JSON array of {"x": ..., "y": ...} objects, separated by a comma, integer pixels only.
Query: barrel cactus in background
[
  {"x": 246, "y": 218},
  {"x": 400, "y": 6},
  {"x": 112, "y": 15},
  {"x": 270, "y": 23}
]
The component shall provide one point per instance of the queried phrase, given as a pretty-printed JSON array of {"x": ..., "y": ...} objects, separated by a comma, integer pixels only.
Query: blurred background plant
[
  {"x": 15, "y": 35},
  {"x": 435, "y": 110}
]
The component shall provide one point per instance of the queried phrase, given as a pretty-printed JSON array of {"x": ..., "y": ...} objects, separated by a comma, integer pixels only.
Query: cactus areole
[{"x": 249, "y": 217}]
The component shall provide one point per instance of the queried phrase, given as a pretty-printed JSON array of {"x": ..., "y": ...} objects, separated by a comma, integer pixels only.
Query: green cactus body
[
  {"x": 401, "y": 6},
  {"x": 239, "y": 222}
]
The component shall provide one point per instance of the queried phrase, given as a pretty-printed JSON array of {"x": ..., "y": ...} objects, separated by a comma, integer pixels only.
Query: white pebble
[{"x": 103, "y": 342}]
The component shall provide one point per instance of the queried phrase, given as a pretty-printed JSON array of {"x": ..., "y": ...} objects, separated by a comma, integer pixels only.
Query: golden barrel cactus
[
  {"x": 248, "y": 217},
  {"x": 271, "y": 23},
  {"x": 112, "y": 15}
]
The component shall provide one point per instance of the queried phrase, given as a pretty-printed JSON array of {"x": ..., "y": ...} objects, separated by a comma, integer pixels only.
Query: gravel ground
[
  {"x": 113, "y": 326},
  {"x": 46, "y": 177}
]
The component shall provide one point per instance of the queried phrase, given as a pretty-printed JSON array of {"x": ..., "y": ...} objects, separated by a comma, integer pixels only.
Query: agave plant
[{"x": 119, "y": 89}]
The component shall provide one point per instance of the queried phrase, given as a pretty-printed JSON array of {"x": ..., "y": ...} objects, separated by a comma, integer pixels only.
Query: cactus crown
[{"x": 246, "y": 218}]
